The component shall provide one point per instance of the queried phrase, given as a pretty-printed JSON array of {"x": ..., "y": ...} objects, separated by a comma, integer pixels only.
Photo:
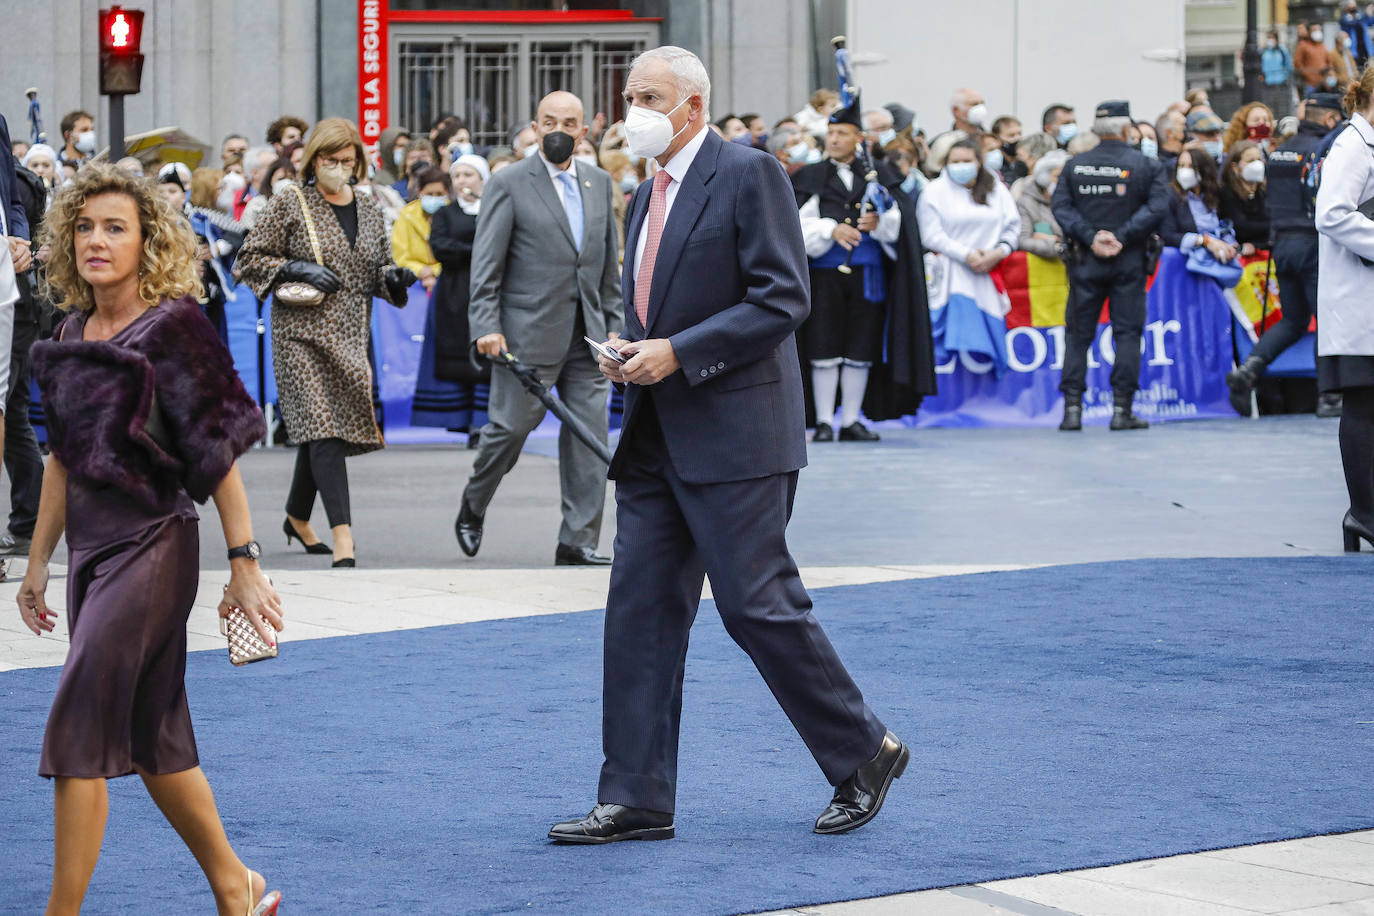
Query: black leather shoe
[
  {"x": 613, "y": 823},
  {"x": 857, "y": 432},
  {"x": 1352, "y": 530},
  {"x": 824, "y": 433},
  {"x": 1073, "y": 418},
  {"x": 1329, "y": 405},
  {"x": 469, "y": 529},
  {"x": 567, "y": 555},
  {"x": 859, "y": 798}
]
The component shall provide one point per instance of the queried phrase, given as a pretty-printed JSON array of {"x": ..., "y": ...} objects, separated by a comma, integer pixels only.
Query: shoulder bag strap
[{"x": 309, "y": 224}]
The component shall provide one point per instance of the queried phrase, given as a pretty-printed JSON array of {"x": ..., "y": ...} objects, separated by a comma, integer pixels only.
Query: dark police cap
[
  {"x": 849, "y": 114},
  {"x": 1114, "y": 109},
  {"x": 1331, "y": 100},
  {"x": 901, "y": 115}
]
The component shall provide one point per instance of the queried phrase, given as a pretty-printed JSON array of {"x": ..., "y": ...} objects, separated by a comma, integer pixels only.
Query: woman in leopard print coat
[{"x": 324, "y": 381}]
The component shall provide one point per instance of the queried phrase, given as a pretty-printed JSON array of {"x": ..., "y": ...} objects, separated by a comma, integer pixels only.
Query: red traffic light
[{"x": 121, "y": 30}]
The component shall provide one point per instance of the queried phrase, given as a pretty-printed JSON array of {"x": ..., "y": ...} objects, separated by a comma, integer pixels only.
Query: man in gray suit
[{"x": 545, "y": 272}]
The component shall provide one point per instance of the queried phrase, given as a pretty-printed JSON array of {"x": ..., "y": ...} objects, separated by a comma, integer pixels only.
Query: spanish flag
[{"x": 1038, "y": 290}]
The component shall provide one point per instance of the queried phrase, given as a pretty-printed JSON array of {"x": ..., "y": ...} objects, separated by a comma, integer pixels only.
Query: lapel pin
[{"x": 587, "y": 183}]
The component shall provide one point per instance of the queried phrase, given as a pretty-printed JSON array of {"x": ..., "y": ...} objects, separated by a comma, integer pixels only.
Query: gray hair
[
  {"x": 688, "y": 72},
  {"x": 254, "y": 158},
  {"x": 1047, "y": 163},
  {"x": 782, "y": 138},
  {"x": 1036, "y": 145},
  {"x": 1111, "y": 127}
]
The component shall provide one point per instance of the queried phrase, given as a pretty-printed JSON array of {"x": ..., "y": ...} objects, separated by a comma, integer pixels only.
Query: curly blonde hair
[{"x": 168, "y": 268}]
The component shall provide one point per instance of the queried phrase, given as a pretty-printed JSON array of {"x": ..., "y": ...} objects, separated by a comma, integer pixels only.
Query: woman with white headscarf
[
  {"x": 41, "y": 159},
  {"x": 451, "y": 391}
]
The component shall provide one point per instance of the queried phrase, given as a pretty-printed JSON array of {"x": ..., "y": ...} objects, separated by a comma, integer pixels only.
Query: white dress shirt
[
  {"x": 555, "y": 171},
  {"x": 677, "y": 169}
]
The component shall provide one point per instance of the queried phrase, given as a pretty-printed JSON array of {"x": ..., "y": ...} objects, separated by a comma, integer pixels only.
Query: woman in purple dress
[{"x": 145, "y": 414}]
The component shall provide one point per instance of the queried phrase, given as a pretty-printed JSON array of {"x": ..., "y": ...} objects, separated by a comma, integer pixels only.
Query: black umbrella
[{"x": 529, "y": 379}]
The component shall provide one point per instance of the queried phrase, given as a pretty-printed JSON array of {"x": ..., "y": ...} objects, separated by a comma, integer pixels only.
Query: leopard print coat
[{"x": 324, "y": 381}]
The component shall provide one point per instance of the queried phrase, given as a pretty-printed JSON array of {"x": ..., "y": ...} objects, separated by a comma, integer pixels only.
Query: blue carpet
[{"x": 1059, "y": 718}]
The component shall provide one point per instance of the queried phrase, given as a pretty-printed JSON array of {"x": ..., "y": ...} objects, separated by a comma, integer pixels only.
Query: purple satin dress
[{"x": 132, "y": 579}]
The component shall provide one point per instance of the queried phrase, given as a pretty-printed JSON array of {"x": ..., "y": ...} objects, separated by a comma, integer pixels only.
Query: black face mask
[{"x": 558, "y": 147}]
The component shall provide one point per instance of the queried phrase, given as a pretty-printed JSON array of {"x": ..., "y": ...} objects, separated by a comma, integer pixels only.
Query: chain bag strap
[{"x": 298, "y": 292}]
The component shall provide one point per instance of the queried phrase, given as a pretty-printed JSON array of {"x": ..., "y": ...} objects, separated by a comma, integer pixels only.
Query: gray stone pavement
[
  {"x": 1271, "y": 487},
  {"x": 920, "y": 503}
]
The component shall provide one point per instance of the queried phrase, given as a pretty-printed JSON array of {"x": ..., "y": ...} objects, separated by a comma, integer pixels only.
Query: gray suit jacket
[{"x": 528, "y": 278}]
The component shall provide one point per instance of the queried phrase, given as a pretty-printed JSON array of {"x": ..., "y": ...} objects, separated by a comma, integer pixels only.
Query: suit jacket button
[
  {"x": 713, "y": 370},
  {"x": 720, "y": 365},
  {"x": 704, "y": 373}
]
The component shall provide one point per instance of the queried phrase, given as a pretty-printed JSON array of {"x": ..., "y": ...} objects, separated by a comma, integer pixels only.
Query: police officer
[
  {"x": 1108, "y": 201},
  {"x": 1294, "y": 249}
]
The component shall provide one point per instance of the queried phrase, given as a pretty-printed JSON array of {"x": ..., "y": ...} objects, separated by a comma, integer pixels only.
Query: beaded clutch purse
[{"x": 245, "y": 644}]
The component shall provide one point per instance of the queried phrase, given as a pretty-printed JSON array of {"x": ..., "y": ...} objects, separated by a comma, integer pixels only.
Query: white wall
[
  {"x": 210, "y": 68},
  {"x": 1021, "y": 54}
]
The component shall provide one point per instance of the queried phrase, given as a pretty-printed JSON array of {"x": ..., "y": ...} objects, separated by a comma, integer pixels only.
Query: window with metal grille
[{"x": 501, "y": 73}]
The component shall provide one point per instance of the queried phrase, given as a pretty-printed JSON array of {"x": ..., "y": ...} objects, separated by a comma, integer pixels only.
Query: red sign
[{"x": 372, "y": 73}]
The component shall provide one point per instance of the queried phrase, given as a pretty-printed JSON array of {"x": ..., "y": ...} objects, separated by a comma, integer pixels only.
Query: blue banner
[{"x": 1186, "y": 354}]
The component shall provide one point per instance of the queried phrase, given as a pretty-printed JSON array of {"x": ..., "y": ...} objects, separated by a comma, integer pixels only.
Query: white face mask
[
  {"x": 1187, "y": 179},
  {"x": 530, "y": 150},
  {"x": 1253, "y": 171},
  {"x": 648, "y": 133},
  {"x": 85, "y": 142},
  {"x": 978, "y": 115},
  {"x": 233, "y": 181},
  {"x": 586, "y": 159},
  {"x": 1316, "y": 35}
]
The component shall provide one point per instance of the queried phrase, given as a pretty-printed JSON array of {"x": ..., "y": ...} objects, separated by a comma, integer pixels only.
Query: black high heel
[
  {"x": 1353, "y": 530},
  {"x": 345, "y": 563},
  {"x": 317, "y": 547}
]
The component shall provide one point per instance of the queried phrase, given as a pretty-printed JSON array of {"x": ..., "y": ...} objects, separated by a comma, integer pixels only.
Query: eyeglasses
[{"x": 349, "y": 163}]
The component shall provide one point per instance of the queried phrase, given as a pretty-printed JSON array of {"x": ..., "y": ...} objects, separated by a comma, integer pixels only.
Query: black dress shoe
[
  {"x": 468, "y": 527},
  {"x": 824, "y": 433},
  {"x": 857, "y": 432},
  {"x": 858, "y": 799},
  {"x": 613, "y": 823},
  {"x": 567, "y": 555},
  {"x": 1352, "y": 530}
]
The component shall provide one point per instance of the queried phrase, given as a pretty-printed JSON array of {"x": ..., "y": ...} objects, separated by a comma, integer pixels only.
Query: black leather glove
[
  {"x": 317, "y": 275},
  {"x": 399, "y": 280}
]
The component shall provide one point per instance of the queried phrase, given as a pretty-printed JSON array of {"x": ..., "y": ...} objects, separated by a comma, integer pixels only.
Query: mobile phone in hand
[{"x": 602, "y": 349}]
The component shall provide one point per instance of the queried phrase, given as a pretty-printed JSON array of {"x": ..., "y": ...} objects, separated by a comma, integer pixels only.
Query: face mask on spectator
[
  {"x": 813, "y": 156},
  {"x": 1315, "y": 35},
  {"x": 797, "y": 151},
  {"x": 978, "y": 115},
  {"x": 992, "y": 160},
  {"x": 628, "y": 182},
  {"x": 1043, "y": 179},
  {"x": 432, "y": 203},
  {"x": 1272, "y": 43},
  {"x": 1259, "y": 132},
  {"x": 85, "y": 142},
  {"x": 962, "y": 173},
  {"x": 586, "y": 159},
  {"x": 909, "y": 182},
  {"x": 461, "y": 149},
  {"x": 1186, "y": 178},
  {"x": 886, "y": 136},
  {"x": 1253, "y": 171},
  {"x": 331, "y": 178},
  {"x": 1067, "y": 132},
  {"x": 1149, "y": 147},
  {"x": 1213, "y": 148},
  {"x": 398, "y": 156},
  {"x": 230, "y": 185}
]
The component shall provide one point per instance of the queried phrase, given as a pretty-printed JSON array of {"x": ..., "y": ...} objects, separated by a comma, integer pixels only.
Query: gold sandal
[{"x": 267, "y": 906}]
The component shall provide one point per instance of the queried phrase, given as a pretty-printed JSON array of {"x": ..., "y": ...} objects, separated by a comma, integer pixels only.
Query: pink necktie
[{"x": 658, "y": 210}]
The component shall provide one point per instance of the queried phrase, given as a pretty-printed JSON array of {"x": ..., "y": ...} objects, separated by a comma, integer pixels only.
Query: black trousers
[
  {"x": 670, "y": 535},
  {"x": 1122, "y": 280},
  {"x": 320, "y": 469},
  {"x": 843, "y": 324},
  {"x": 1295, "y": 263},
  {"x": 23, "y": 460}
]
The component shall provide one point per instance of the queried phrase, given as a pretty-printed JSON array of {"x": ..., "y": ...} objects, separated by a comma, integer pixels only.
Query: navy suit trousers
[{"x": 671, "y": 534}]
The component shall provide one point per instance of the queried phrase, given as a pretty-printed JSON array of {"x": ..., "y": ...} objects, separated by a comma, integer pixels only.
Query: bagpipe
[{"x": 876, "y": 198}]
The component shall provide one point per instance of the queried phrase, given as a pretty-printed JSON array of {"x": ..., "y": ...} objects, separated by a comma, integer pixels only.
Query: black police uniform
[
  {"x": 1295, "y": 240},
  {"x": 1120, "y": 189}
]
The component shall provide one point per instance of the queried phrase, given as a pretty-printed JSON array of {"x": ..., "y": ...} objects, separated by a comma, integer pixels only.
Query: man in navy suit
[{"x": 715, "y": 285}]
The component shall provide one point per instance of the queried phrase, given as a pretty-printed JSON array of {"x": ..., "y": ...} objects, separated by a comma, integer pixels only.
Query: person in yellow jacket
[{"x": 410, "y": 235}]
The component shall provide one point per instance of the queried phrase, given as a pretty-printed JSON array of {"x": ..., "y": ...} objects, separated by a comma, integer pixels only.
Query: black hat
[
  {"x": 902, "y": 117},
  {"x": 1114, "y": 109},
  {"x": 1331, "y": 100},
  {"x": 849, "y": 114}
]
